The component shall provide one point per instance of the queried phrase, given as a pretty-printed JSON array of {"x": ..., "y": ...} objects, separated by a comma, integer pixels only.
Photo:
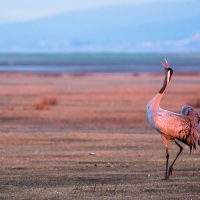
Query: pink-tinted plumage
[{"x": 173, "y": 126}]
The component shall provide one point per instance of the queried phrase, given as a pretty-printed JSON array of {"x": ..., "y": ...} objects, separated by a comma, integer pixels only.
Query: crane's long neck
[
  {"x": 166, "y": 81},
  {"x": 154, "y": 104}
]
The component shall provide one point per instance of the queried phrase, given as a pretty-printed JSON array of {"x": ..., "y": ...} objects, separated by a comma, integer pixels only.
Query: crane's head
[{"x": 168, "y": 70}]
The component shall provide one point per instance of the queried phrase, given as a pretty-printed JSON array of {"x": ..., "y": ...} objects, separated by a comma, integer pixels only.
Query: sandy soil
[{"x": 86, "y": 136}]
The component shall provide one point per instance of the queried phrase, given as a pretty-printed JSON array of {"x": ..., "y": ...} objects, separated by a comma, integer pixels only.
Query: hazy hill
[{"x": 162, "y": 26}]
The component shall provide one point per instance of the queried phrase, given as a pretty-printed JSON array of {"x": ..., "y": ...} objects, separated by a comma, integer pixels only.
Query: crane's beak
[
  {"x": 163, "y": 64},
  {"x": 166, "y": 65}
]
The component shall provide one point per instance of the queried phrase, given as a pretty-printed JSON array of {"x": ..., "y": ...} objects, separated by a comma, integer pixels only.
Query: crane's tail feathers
[
  {"x": 193, "y": 138},
  {"x": 192, "y": 115}
]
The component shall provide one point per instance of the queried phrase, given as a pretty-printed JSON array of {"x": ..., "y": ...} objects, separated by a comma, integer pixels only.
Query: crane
[{"x": 173, "y": 126}]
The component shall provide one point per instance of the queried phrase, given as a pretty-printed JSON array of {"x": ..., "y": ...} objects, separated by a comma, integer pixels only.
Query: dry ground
[{"x": 84, "y": 136}]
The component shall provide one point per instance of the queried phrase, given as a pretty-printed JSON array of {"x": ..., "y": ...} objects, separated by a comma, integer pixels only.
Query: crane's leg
[
  {"x": 171, "y": 167},
  {"x": 165, "y": 141},
  {"x": 167, "y": 160}
]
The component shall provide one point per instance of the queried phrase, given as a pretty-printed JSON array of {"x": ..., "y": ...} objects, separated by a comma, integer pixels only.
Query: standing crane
[{"x": 173, "y": 126}]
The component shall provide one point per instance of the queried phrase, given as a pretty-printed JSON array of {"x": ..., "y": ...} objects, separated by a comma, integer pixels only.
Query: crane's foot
[
  {"x": 169, "y": 174},
  {"x": 170, "y": 171}
]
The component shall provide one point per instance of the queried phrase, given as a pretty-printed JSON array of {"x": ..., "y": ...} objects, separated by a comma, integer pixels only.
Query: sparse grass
[{"x": 46, "y": 155}]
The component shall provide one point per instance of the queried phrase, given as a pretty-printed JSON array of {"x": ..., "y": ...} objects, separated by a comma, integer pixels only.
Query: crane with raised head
[{"x": 173, "y": 126}]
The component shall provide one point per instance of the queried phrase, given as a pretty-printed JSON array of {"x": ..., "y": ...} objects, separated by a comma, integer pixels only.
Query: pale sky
[{"x": 22, "y": 10}]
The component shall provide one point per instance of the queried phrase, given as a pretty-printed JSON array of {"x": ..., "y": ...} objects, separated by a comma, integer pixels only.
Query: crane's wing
[{"x": 194, "y": 119}]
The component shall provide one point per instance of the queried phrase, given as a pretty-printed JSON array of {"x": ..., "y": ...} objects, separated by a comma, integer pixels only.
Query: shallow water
[{"x": 117, "y": 63}]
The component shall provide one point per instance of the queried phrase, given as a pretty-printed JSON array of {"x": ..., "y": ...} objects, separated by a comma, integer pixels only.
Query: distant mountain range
[{"x": 170, "y": 26}]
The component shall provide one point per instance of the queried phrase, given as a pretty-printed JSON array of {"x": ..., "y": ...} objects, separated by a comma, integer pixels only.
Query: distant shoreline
[
  {"x": 98, "y": 63},
  {"x": 84, "y": 74}
]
